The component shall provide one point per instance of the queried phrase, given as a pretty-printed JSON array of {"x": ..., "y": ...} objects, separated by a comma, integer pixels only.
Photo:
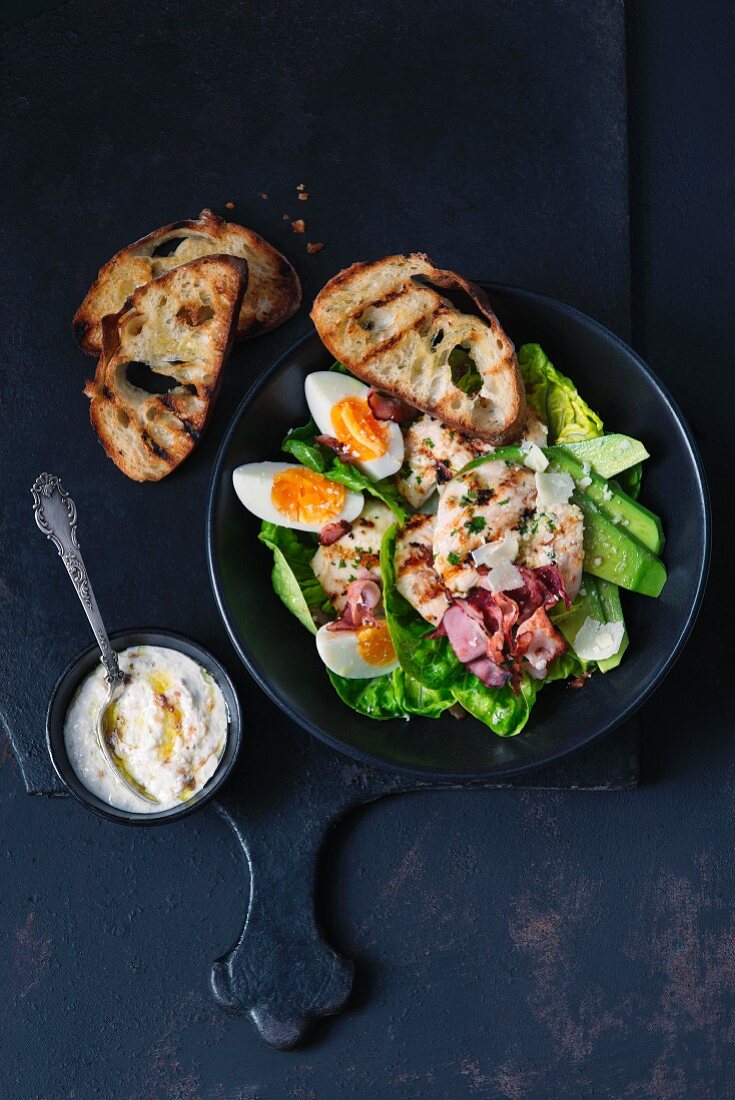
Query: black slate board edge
[{"x": 254, "y": 977}]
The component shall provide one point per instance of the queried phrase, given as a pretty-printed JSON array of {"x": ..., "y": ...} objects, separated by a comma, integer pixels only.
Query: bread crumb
[
  {"x": 299, "y": 225},
  {"x": 300, "y": 186},
  {"x": 303, "y": 196},
  {"x": 317, "y": 246},
  {"x": 263, "y": 195},
  {"x": 230, "y": 205}
]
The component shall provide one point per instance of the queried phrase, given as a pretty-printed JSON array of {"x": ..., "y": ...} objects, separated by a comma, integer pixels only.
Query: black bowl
[
  {"x": 70, "y": 680},
  {"x": 282, "y": 656}
]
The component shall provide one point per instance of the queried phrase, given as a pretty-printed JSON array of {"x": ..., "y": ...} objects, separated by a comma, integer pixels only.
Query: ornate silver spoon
[{"x": 56, "y": 515}]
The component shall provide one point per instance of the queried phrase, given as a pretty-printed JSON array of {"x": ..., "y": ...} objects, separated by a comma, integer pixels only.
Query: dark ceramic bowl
[
  {"x": 282, "y": 656},
  {"x": 70, "y": 680}
]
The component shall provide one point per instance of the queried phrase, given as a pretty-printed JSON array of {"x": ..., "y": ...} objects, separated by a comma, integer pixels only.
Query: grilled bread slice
[
  {"x": 391, "y": 323},
  {"x": 274, "y": 290},
  {"x": 161, "y": 364}
]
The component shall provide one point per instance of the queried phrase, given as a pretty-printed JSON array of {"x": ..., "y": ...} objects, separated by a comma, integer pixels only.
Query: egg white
[
  {"x": 253, "y": 483},
  {"x": 339, "y": 651},
  {"x": 323, "y": 389}
]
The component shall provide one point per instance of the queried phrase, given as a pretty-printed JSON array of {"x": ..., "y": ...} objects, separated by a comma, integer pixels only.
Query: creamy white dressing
[{"x": 169, "y": 729}]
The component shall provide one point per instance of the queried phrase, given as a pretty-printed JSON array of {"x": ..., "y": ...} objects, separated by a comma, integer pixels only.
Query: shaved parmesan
[
  {"x": 534, "y": 457},
  {"x": 598, "y": 641},
  {"x": 504, "y": 577},
  {"x": 495, "y": 553},
  {"x": 553, "y": 489}
]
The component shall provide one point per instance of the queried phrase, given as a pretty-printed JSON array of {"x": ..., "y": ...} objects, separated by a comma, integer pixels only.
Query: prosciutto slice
[
  {"x": 465, "y": 628},
  {"x": 385, "y": 406},
  {"x": 331, "y": 532},
  {"x": 489, "y": 673},
  {"x": 363, "y": 597},
  {"x": 340, "y": 449},
  {"x": 542, "y": 587},
  {"x": 498, "y": 634},
  {"x": 539, "y": 643}
]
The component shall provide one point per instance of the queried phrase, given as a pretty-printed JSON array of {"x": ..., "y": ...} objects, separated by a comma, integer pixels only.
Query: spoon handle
[{"x": 56, "y": 515}]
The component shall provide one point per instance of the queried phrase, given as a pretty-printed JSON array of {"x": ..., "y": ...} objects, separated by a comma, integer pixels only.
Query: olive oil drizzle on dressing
[{"x": 172, "y": 729}]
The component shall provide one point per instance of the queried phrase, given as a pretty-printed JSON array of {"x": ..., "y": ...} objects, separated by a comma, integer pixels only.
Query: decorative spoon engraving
[{"x": 56, "y": 515}]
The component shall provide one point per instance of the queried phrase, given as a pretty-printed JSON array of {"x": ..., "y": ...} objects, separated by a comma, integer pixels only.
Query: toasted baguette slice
[
  {"x": 179, "y": 327},
  {"x": 391, "y": 326},
  {"x": 274, "y": 290}
]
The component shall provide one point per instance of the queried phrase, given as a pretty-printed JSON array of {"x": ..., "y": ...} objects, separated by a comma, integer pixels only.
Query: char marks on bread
[
  {"x": 274, "y": 290},
  {"x": 393, "y": 325},
  {"x": 162, "y": 358}
]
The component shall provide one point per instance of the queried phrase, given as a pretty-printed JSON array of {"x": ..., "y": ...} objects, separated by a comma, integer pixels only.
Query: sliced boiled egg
[
  {"x": 357, "y": 654},
  {"x": 340, "y": 408},
  {"x": 294, "y": 496}
]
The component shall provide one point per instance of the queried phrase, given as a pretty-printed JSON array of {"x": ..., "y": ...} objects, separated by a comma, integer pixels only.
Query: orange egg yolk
[
  {"x": 305, "y": 496},
  {"x": 355, "y": 426},
  {"x": 374, "y": 644}
]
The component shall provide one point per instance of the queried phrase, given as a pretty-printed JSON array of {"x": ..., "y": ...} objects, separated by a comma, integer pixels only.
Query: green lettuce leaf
[
  {"x": 376, "y": 698},
  {"x": 499, "y": 708},
  {"x": 555, "y": 398},
  {"x": 416, "y": 698},
  {"x": 292, "y": 576}
]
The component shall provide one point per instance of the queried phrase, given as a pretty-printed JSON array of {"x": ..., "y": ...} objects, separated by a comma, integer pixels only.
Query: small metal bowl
[{"x": 70, "y": 680}]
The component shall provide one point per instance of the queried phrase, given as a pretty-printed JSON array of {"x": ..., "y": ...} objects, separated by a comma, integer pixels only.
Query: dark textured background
[{"x": 510, "y": 944}]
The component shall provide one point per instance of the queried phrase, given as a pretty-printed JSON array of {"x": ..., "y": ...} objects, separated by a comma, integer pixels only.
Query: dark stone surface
[{"x": 520, "y": 944}]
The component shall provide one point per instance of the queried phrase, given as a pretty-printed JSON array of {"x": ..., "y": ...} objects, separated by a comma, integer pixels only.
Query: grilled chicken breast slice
[
  {"x": 478, "y": 507},
  {"x": 555, "y": 538},
  {"x": 354, "y": 556},
  {"x": 416, "y": 578},
  {"x": 432, "y": 451}
]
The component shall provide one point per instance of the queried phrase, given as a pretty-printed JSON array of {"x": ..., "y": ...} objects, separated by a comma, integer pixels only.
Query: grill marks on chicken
[
  {"x": 434, "y": 453},
  {"x": 416, "y": 578}
]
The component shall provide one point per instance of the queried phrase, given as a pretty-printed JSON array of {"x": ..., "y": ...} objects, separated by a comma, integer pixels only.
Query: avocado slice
[
  {"x": 617, "y": 506},
  {"x": 609, "y": 455},
  {"x": 609, "y": 596},
  {"x": 610, "y": 553}
]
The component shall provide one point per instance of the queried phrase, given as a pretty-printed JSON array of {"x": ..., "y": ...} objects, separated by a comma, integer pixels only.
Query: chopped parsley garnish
[
  {"x": 477, "y": 496},
  {"x": 504, "y": 501},
  {"x": 453, "y": 558},
  {"x": 528, "y": 525},
  {"x": 342, "y": 564},
  {"x": 428, "y": 442},
  {"x": 476, "y": 524}
]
